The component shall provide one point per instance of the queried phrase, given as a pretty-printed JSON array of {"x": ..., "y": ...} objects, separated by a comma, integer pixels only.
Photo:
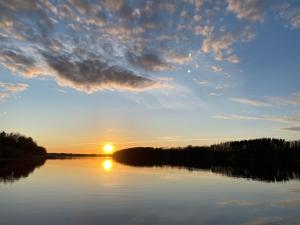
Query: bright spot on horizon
[
  {"x": 107, "y": 164},
  {"x": 108, "y": 148}
]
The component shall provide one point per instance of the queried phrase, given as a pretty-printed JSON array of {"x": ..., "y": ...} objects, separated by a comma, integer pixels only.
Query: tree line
[
  {"x": 14, "y": 145},
  {"x": 266, "y": 159}
]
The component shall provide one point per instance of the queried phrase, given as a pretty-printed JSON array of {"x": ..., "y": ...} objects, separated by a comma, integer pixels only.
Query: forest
[{"x": 14, "y": 145}]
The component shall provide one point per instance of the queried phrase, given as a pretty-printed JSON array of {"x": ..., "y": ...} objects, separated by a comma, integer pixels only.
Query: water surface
[{"x": 101, "y": 191}]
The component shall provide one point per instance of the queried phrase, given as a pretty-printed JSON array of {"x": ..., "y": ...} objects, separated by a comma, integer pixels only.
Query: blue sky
[{"x": 76, "y": 74}]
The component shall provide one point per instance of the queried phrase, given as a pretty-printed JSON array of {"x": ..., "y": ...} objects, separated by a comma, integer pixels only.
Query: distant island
[{"x": 14, "y": 145}]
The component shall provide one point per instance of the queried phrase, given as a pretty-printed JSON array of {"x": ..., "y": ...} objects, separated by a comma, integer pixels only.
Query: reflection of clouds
[
  {"x": 295, "y": 190},
  {"x": 288, "y": 202},
  {"x": 237, "y": 203},
  {"x": 265, "y": 221}
]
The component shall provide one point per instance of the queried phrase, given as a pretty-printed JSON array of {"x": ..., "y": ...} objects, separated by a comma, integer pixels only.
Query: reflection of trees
[
  {"x": 249, "y": 170},
  {"x": 268, "y": 173},
  {"x": 13, "y": 170}
]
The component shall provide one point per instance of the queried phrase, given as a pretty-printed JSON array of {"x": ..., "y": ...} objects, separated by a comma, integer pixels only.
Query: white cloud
[
  {"x": 233, "y": 59},
  {"x": 216, "y": 69}
]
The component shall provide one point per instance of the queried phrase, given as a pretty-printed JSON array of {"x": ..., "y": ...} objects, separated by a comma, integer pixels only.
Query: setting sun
[{"x": 108, "y": 148}]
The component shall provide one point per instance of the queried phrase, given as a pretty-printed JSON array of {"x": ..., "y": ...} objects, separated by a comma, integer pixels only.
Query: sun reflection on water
[{"x": 107, "y": 164}]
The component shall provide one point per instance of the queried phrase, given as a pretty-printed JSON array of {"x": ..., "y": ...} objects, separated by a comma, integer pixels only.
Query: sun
[{"x": 108, "y": 148}]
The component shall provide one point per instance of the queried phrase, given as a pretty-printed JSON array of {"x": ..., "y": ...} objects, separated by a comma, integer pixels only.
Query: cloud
[
  {"x": 3, "y": 96},
  {"x": 216, "y": 69},
  {"x": 203, "y": 30},
  {"x": 284, "y": 101},
  {"x": 270, "y": 101},
  {"x": 281, "y": 119},
  {"x": 94, "y": 74},
  {"x": 165, "y": 78},
  {"x": 179, "y": 59},
  {"x": 251, "y": 102},
  {"x": 289, "y": 202},
  {"x": 221, "y": 44},
  {"x": 202, "y": 82},
  {"x": 148, "y": 61},
  {"x": 247, "y": 9},
  {"x": 289, "y": 13},
  {"x": 132, "y": 41},
  {"x": 113, "y": 6},
  {"x": 297, "y": 129},
  {"x": 9, "y": 89},
  {"x": 233, "y": 59},
  {"x": 13, "y": 87}
]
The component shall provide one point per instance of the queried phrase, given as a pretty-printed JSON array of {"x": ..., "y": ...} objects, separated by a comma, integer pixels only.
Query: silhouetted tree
[{"x": 14, "y": 145}]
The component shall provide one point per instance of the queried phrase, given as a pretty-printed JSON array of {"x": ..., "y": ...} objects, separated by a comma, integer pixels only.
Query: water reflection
[
  {"x": 13, "y": 170},
  {"x": 107, "y": 164},
  {"x": 260, "y": 171}
]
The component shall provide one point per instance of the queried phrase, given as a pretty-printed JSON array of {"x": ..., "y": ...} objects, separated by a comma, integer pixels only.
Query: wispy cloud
[
  {"x": 251, "y": 102},
  {"x": 236, "y": 203},
  {"x": 270, "y": 101},
  {"x": 295, "y": 129},
  {"x": 289, "y": 202},
  {"x": 281, "y": 119},
  {"x": 9, "y": 89},
  {"x": 13, "y": 87}
]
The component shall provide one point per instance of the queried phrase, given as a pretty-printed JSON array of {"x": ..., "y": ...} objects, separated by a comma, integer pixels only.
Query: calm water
[{"x": 101, "y": 191}]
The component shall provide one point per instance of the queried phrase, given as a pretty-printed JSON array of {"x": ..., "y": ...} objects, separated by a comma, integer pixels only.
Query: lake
[{"x": 102, "y": 191}]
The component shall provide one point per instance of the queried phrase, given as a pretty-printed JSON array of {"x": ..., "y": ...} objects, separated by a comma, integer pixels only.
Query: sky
[{"x": 77, "y": 74}]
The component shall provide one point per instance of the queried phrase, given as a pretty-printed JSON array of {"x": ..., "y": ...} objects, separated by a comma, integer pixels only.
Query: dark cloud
[
  {"x": 292, "y": 129},
  {"x": 93, "y": 74},
  {"x": 148, "y": 61},
  {"x": 16, "y": 57}
]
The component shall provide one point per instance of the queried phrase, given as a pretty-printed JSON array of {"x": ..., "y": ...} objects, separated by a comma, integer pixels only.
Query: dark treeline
[
  {"x": 13, "y": 145},
  {"x": 261, "y": 159},
  {"x": 13, "y": 170}
]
